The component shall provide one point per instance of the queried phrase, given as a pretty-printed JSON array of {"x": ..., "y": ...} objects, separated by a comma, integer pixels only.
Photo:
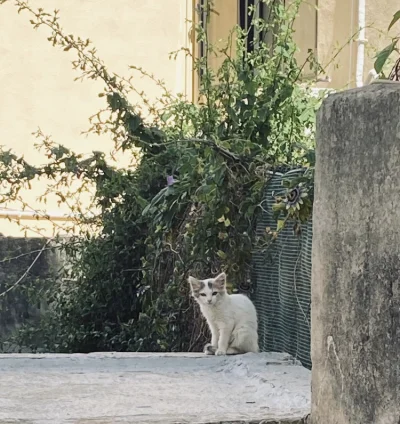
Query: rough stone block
[{"x": 356, "y": 259}]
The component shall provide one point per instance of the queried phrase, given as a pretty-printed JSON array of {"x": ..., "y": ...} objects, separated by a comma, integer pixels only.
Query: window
[
  {"x": 305, "y": 26},
  {"x": 202, "y": 17},
  {"x": 218, "y": 22},
  {"x": 261, "y": 10}
]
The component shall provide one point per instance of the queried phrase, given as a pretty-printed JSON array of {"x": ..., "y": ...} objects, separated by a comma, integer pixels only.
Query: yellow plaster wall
[
  {"x": 337, "y": 23},
  {"x": 36, "y": 79}
]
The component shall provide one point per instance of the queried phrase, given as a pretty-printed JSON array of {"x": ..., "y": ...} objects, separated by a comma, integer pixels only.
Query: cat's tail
[{"x": 245, "y": 341}]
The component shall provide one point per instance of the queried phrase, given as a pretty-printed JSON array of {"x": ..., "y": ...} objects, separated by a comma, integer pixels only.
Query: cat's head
[{"x": 209, "y": 291}]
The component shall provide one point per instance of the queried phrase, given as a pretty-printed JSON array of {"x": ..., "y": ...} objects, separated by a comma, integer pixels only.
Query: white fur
[{"x": 232, "y": 318}]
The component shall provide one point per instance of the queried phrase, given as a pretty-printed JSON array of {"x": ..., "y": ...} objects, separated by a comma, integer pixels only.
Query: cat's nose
[{"x": 209, "y": 301}]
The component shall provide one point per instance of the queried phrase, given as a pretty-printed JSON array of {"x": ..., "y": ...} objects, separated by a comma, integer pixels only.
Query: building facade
[
  {"x": 344, "y": 35},
  {"x": 37, "y": 80}
]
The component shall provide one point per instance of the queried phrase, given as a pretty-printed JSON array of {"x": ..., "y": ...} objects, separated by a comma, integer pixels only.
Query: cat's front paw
[
  {"x": 209, "y": 349},
  {"x": 220, "y": 352}
]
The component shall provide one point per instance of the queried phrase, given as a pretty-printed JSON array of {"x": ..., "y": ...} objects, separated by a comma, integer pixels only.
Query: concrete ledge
[{"x": 114, "y": 388}]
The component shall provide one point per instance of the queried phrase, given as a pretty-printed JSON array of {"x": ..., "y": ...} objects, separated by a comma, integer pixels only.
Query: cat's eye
[
  {"x": 215, "y": 293},
  {"x": 203, "y": 294}
]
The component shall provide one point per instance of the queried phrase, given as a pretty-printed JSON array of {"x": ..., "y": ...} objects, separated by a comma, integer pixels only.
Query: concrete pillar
[{"x": 356, "y": 259}]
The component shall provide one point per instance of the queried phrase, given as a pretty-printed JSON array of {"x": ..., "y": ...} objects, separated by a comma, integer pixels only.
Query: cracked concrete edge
[
  {"x": 100, "y": 421},
  {"x": 303, "y": 420},
  {"x": 272, "y": 421}
]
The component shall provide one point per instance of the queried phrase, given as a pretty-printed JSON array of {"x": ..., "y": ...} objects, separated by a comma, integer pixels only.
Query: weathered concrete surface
[
  {"x": 152, "y": 388},
  {"x": 356, "y": 259}
]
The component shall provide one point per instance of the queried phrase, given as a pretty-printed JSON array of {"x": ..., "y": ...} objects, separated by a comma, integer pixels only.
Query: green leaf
[
  {"x": 279, "y": 207},
  {"x": 250, "y": 210},
  {"x": 222, "y": 219},
  {"x": 396, "y": 17},
  {"x": 133, "y": 123},
  {"x": 114, "y": 101},
  {"x": 221, "y": 254},
  {"x": 251, "y": 87},
  {"x": 280, "y": 224},
  {"x": 158, "y": 196},
  {"x": 146, "y": 209},
  {"x": 165, "y": 116},
  {"x": 383, "y": 55}
]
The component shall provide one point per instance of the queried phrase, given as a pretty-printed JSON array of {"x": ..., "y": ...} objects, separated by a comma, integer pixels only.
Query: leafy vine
[{"x": 191, "y": 202}]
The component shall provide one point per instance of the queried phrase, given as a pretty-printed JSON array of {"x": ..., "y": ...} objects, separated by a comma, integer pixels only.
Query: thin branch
[
  {"x": 13, "y": 258},
  {"x": 27, "y": 271}
]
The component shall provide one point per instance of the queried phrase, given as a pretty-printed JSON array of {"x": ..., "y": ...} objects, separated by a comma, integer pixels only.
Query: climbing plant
[
  {"x": 383, "y": 56},
  {"x": 190, "y": 203}
]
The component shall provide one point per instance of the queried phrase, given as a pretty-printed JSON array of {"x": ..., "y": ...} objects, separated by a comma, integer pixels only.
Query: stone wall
[
  {"x": 23, "y": 303},
  {"x": 355, "y": 342}
]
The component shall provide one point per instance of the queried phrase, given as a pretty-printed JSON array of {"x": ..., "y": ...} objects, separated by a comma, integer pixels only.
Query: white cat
[{"x": 232, "y": 318}]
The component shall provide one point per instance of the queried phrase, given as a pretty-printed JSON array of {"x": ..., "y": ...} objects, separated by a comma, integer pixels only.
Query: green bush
[{"x": 127, "y": 285}]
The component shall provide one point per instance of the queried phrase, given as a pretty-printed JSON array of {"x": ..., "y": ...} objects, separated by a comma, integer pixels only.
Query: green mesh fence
[{"x": 282, "y": 282}]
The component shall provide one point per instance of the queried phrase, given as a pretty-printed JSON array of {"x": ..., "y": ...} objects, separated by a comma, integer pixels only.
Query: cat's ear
[
  {"x": 195, "y": 284},
  {"x": 220, "y": 280}
]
